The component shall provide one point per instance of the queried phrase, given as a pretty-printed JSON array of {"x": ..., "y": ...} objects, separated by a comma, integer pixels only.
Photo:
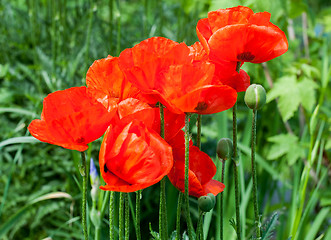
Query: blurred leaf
[
  {"x": 285, "y": 145},
  {"x": 269, "y": 226},
  {"x": 318, "y": 220},
  {"x": 296, "y": 8},
  {"x": 291, "y": 93},
  {"x": 306, "y": 89},
  {"x": 17, "y": 140}
]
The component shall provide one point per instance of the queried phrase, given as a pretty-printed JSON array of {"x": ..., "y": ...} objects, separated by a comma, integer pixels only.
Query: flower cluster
[{"x": 123, "y": 94}]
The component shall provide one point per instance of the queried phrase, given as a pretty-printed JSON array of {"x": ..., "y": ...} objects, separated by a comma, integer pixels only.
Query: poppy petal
[
  {"x": 214, "y": 187},
  {"x": 208, "y": 99},
  {"x": 71, "y": 118},
  {"x": 223, "y": 17},
  {"x": 260, "y": 43},
  {"x": 133, "y": 157}
]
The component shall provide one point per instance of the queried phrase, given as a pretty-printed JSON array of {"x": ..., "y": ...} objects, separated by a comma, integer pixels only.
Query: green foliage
[
  {"x": 291, "y": 93},
  {"x": 286, "y": 145}
]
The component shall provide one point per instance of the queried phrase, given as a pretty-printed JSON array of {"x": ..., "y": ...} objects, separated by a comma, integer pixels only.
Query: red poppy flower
[
  {"x": 71, "y": 118},
  {"x": 133, "y": 157},
  {"x": 107, "y": 82},
  {"x": 166, "y": 72},
  {"x": 201, "y": 170},
  {"x": 239, "y": 34},
  {"x": 225, "y": 72}
]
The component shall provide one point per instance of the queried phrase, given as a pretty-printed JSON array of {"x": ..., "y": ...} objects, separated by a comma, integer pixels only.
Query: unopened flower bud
[
  {"x": 94, "y": 176},
  {"x": 255, "y": 96},
  {"x": 224, "y": 148},
  {"x": 95, "y": 217},
  {"x": 206, "y": 203},
  {"x": 212, "y": 197}
]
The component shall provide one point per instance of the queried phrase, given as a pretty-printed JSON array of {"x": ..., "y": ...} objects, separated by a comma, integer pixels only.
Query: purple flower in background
[{"x": 94, "y": 176}]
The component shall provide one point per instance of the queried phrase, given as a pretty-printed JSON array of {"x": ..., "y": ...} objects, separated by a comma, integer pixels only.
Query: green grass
[{"x": 49, "y": 45}]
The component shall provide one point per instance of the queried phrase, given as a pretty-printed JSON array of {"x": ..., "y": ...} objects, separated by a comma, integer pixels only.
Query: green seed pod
[
  {"x": 255, "y": 96},
  {"x": 212, "y": 197},
  {"x": 224, "y": 148},
  {"x": 206, "y": 203}
]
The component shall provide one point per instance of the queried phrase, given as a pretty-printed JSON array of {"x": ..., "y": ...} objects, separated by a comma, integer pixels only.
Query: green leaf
[
  {"x": 269, "y": 226},
  {"x": 306, "y": 89},
  {"x": 154, "y": 234},
  {"x": 292, "y": 92},
  {"x": 289, "y": 98},
  {"x": 285, "y": 145},
  {"x": 318, "y": 220},
  {"x": 17, "y": 140}
]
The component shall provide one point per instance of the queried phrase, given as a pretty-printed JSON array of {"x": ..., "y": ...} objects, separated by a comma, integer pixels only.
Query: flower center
[
  {"x": 201, "y": 106},
  {"x": 80, "y": 140},
  {"x": 105, "y": 168},
  {"x": 245, "y": 57}
]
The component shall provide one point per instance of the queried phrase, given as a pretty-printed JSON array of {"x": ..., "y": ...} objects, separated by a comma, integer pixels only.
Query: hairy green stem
[
  {"x": 199, "y": 119},
  {"x": 221, "y": 204},
  {"x": 121, "y": 217},
  {"x": 163, "y": 222},
  {"x": 118, "y": 18},
  {"x": 199, "y": 232},
  {"x": 127, "y": 216},
  {"x": 256, "y": 206},
  {"x": 97, "y": 233},
  {"x": 235, "y": 171},
  {"x": 138, "y": 197},
  {"x": 179, "y": 211},
  {"x": 84, "y": 174},
  {"x": 187, "y": 152},
  {"x": 111, "y": 215}
]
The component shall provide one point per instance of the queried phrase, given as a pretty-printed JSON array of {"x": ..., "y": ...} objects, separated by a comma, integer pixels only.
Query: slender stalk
[
  {"x": 199, "y": 119},
  {"x": 138, "y": 196},
  {"x": 89, "y": 30},
  {"x": 163, "y": 223},
  {"x": 111, "y": 215},
  {"x": 84, "y": 174},
  {"x": 127, "y": 216},
  {"x": 236, "y": 163},
  {"x": 110, "y": 24},
  {"x": 187, "y": 152},
  {"x": 199, "y": 233},
  {"x": 221, "y": 204},
  {"x": 118, "y": 18},
  {"x": 235, "y": 170},
  {"x": 97, "y": 233},
  {"x": 121, "y": 217},
  {"x": 179, "y": 210},
  {"x": 256, "y": 206},
  {"x": 302, "y": 190}
]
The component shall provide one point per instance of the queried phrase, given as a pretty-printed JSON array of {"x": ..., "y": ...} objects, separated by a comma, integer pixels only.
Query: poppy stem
[
  {"x": 84, "y": 173},
  {"x": 199, "y": 119},
  {"x": 256, "y": 206},
  {"x": 221, "y": 204},
  {"x": 127, "y": 216},
  {"x": 187, "y": 152},
  {"x": 111, "y": 215},
  {"x": 163, "y": 222},
  {"x": 121, "y": 217},
  {"x": 235, "y": 170},
  {"x": 138, "y": 197},
  {"x": 179, "y": 211}
]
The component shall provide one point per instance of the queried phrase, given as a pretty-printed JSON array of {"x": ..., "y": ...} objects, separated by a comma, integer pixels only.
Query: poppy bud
[
  {"x": 255, "y": 96},
  {"x": 95, "y": 217},
  {"x": 206, "y": 203},
  {"x": 212, "y": 197},
  {"x": 224, "y": 148}
]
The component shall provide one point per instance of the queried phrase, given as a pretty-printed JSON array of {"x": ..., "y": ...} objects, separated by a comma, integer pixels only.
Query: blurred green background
[{"x": 48, "y": 45}]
